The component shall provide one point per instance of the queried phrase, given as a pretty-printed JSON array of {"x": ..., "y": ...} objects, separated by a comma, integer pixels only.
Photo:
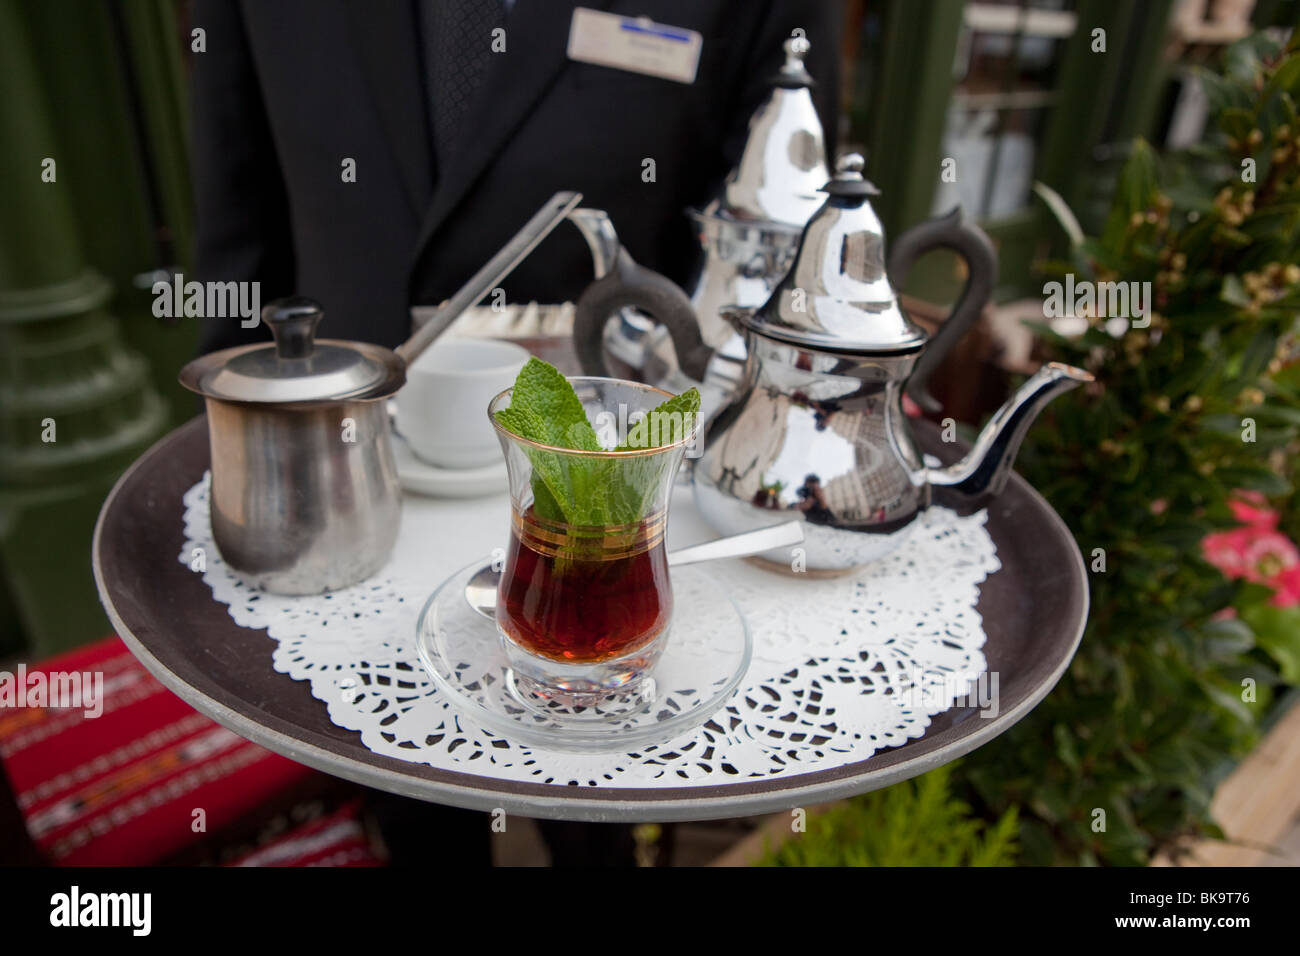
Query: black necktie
[{"x": 458, "y": 42}]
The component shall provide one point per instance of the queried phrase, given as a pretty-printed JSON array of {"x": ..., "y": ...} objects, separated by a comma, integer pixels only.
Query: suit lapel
[
  {"x": 386, "y": 37},
  {"x": 537, "y": 38}
]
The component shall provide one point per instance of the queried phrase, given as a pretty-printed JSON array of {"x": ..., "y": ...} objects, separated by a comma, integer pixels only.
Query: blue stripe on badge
[{"x": 657, "y": 31}]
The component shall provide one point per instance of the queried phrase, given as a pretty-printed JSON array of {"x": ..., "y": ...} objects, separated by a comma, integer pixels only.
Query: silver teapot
[
  {"x": 815, "y": 429},
  {"x": 749, "y": 234},
  {"x": 750, "y": 231}
]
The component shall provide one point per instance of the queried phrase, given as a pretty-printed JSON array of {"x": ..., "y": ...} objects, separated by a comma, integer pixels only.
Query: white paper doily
[{"x": 842, "y": 667}]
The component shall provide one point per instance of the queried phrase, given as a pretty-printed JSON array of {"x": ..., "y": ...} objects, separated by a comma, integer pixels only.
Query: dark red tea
[{"x": 584, "y": 598}]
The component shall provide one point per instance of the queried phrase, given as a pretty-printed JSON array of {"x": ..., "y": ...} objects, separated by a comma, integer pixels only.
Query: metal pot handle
[
  {"x": 950, "y": 231},
  {"x": 622, "y": 283}
]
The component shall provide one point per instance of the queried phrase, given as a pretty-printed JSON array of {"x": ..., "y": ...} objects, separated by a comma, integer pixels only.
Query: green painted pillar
[
  {"x": 911, "y": 105},
  {"x": 76, "y": 406}
]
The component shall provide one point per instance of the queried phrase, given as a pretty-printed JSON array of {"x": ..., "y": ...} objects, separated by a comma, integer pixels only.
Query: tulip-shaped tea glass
[{"x": 585, "y": 603}]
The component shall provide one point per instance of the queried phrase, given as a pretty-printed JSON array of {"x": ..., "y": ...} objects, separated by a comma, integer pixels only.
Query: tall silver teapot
[
  {"x": 750, "y": 231},
  {"x": 749, "y": 234}
]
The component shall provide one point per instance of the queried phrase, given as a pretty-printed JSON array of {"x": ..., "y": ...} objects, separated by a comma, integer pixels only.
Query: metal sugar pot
[
  {"x": 816, "y": 429},
  {"x": 749, "y": 234},
  {"x": 305, "y": 496}
]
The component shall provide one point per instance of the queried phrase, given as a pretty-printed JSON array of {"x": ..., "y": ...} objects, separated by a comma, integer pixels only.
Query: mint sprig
[
  {"x": 589, "y": 492},
  {"x": 545, "y": 408}
]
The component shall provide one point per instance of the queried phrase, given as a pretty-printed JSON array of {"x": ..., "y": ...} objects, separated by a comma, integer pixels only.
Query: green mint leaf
[
  {"x": 591, "y": 492},
  {"x": 635, "y": 480},
  {"x": 522, "y": 422},
  {"x": 665, "y": 424},
  {"x": 581, "y": 437},
  {"x": 551, "y": 499},
  {"x": 544, "y": 504},
  {"x": 544, "y": 406},
  {"x": 589, "y": 484}
]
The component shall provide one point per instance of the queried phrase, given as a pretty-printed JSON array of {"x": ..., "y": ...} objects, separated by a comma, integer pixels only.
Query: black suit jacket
[{"x": 286, "y": 91}]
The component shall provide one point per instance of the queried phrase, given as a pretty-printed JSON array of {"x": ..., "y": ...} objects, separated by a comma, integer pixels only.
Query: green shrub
[
  {"x": 915, "y": 823},
  {"x": 1166, "y": 691}
]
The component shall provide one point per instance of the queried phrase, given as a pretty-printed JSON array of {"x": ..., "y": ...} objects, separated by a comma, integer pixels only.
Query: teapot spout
[{"x": 988, "y": 465}]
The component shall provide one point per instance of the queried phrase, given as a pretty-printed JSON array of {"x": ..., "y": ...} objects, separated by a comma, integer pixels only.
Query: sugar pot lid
[{"x": 298, "y": 367}]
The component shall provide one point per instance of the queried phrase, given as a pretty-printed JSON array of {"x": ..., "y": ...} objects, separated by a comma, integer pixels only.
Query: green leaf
[
  {"x": 1234, "y": 292},
  {"x": 1253, "y": 478},
  {"x": 1285, "y": 78},
  {"x": 1065, "y": 746},
  {"x": 544, "y": 408},
  {"x": 1277, "y": 414},
  {"x": 1229, "y": 637},
  {"x": 581, "y": 437},
  {"x": 1237, "y": 122},
  {"x": 1277, "y": 631},
  {"x": 599, "y": 490},
  {"x": 544, "y": 503},
  {"x": 1257, "y": 355},
  {"x": 1220, "y": 92},
  {"x": 1222, "y": 423},
  {"x": 670, "y": 422},
  {"x": 1241, "y": 62},
  {"x": 1134, "y": 191},
  {"x": 1061, "y": 211}
]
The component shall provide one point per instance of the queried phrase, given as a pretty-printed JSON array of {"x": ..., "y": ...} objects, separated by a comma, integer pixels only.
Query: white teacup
[{"x": 442, "y": 408}]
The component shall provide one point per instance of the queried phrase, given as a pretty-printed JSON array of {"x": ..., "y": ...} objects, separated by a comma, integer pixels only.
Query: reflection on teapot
[{"x": 847, "y": 466}]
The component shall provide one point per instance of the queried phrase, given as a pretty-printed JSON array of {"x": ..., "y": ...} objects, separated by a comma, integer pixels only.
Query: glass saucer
[{"x": 707, "y": 653}]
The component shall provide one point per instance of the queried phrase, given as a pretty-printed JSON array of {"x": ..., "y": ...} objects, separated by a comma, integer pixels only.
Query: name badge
[{"x": 636, "y": 44}]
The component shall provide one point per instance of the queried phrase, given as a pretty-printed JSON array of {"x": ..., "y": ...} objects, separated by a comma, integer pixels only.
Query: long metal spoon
[
  {"x": 490, "y": 275},
  {"x": 481, "y": 589}
]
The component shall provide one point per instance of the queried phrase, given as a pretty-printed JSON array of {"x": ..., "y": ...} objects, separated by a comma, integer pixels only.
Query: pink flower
[
  {"x": 1256, "y": 551},
  {"x": 1251, "y": 508},
  {"x": 1256, "y": 554},
  {"x": 1226, "y": 550},
  {"x": 1286, "y": 587},
  {"x": 1267, "y": 554}
]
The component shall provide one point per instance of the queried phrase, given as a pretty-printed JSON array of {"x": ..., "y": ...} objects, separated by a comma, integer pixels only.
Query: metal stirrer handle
[
  {"x": 737, "y": 545},
  {"x": 491, "y": 274}
]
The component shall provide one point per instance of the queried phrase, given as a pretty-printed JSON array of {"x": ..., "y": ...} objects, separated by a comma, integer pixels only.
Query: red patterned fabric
[
  {"x": 335, "y": 840},
  {"x": 123, "y": 788}
]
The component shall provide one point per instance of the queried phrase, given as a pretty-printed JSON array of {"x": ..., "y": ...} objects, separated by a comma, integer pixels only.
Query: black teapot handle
[
  {"x": 949, "y": 231},
  {"x": 629, "y": 284}
]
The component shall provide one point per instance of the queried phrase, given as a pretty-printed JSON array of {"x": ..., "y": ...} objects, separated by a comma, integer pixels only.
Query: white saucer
[{"x": 422, "y": 478}]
